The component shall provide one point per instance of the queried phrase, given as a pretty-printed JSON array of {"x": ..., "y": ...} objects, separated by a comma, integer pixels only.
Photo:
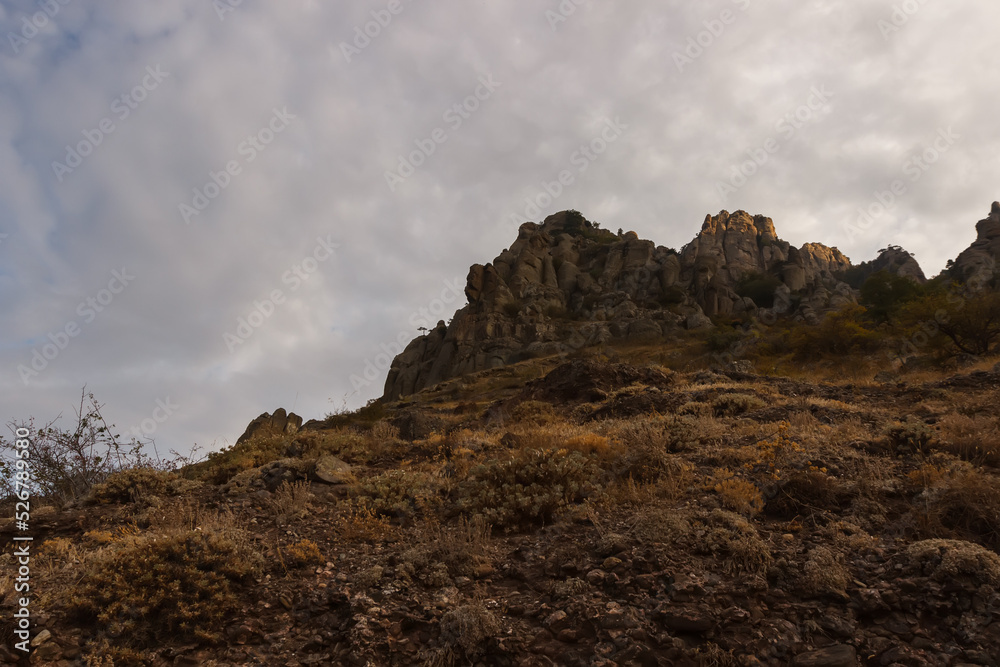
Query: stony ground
[{"x": 649, "y": 517}]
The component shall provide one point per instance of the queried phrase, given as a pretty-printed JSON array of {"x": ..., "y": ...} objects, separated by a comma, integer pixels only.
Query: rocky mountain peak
[
  {"x": 566, "y": 283},
  {"x": 984, "y": 252}
]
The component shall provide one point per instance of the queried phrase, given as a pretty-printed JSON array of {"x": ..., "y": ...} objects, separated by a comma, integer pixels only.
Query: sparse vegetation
[
  {"x": 767, "y": 488},
  {"x": 527, "y": 488}
]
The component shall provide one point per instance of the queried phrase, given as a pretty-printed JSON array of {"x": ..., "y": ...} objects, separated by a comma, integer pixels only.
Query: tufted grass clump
[
  {"x": 467, "y": 630},
  {"x": 303, "y": 553},
  {"x": 737, "y": 494},
  {"x": 733, "y": 405},
  {"x": 824, "y": 573},
  {"x": 731, "y": 536},
  {"x": 528, "y": 488},
  {"x": 180, "y": 586}
]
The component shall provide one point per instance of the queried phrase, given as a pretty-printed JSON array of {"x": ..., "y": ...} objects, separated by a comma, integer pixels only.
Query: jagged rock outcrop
[
  {"x": 980, "y": 259},
  {"x": 279, "y": 422},
  {"x": 566, "y": 284}
]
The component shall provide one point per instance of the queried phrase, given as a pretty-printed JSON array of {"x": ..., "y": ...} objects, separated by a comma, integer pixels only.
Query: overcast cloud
[{"x": 299, "y": 119}]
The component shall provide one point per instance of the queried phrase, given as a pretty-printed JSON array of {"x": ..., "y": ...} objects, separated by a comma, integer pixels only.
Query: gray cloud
[{"x": 324, "y": 175}]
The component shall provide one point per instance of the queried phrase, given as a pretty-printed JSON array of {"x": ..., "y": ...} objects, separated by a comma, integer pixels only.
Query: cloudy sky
[{"x": 212, "y": 209}]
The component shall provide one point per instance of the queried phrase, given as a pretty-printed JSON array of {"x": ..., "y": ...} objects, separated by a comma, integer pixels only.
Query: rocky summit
[{"x": 567, "y": 284}]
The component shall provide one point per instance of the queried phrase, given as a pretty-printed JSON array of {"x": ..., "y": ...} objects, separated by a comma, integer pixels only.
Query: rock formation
[
  {"x": 280, "y": 422},
  {"x": 892, "y": 259},
  {"x": 565, "y": 284},
  {"x": 980, "y": 259}
]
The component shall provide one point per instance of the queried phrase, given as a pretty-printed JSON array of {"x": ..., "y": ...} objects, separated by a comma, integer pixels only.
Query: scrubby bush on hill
[
  {"x": 527, "y": 488},
  {"x": 67, "y": 464},
  {"x": 884, "y": 294},
  {"x": 159, "y": 587}
]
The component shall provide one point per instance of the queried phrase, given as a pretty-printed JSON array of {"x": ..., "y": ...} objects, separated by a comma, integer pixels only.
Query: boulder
[{"x": 332, "y": 470}]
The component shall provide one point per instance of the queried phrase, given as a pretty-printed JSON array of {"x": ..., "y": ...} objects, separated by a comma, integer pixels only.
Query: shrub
[
  {"x": 263, "y": 447},
  {"x": 133, "y": 484},
  {"x": 806, "y": 491},
  {"x": 290, "y": 500},
  {"x": 884, "y": 294},
  {"x": 721, "y": 339},
  {"x": 396, "y": 493},
  {"x": 824, "y": 573},
  {"x": 66, "y": 464},
  {"x": 361, "y": 524},
  {"x": 909, "y": 436},
  {"x": 302, "y": 554},
  {"x": 773, "y": 455},
  {"x": 730, "y": 535},
  {"x": 947, "y": 560},
  {"x": 969, "y": 321},
  {"x": 841, "y": 333},
  {"x": 464, "y": 549},
  {"x": 967, "y": 504},
  {"x": 528, "y": 488},
  {"x": 657, "y": 525},
  {"x": 646, "y": 446},
  {"x": 732, "y": 405},
  {"x": 467, "y": 632},
  {"x": 533, "y": 412},
  {"x": 736, "y": 494},
  {"x": 178, "y": 587}
]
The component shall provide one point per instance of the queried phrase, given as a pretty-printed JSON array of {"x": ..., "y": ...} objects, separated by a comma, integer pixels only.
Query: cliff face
[
  {"x": 565, "y": 284},
  {"x": 981, "y": 257}
]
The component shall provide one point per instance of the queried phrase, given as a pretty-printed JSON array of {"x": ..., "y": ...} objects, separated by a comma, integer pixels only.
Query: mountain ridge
[{"x": 565, "y": 283}]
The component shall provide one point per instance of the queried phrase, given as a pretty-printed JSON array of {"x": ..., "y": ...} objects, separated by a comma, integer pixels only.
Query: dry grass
[
  {"x": 972, "y": 438},
  {"x": 290, "y": 501},
  {"x": 824, "y": 573},
  {"x": 737, "y": 495},
  {"x": 361, "y": 524}
]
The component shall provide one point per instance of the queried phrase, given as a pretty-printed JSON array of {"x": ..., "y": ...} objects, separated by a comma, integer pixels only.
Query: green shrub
[
  {"x": 883, "y": 294},
  {"x": 841, "y": 333},
  {"x": 528, "y": 488},
  {"x": 720, "y": 339}
]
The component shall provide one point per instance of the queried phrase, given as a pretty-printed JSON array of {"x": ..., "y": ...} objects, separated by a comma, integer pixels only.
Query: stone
[
  {"x": 839, "y": 655},
  {"x": 697, "y": 321},
  {"x": 691, "y": 621},
  {"x": 332, "y": 470},
  {"x": 41, "y": 638}
]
